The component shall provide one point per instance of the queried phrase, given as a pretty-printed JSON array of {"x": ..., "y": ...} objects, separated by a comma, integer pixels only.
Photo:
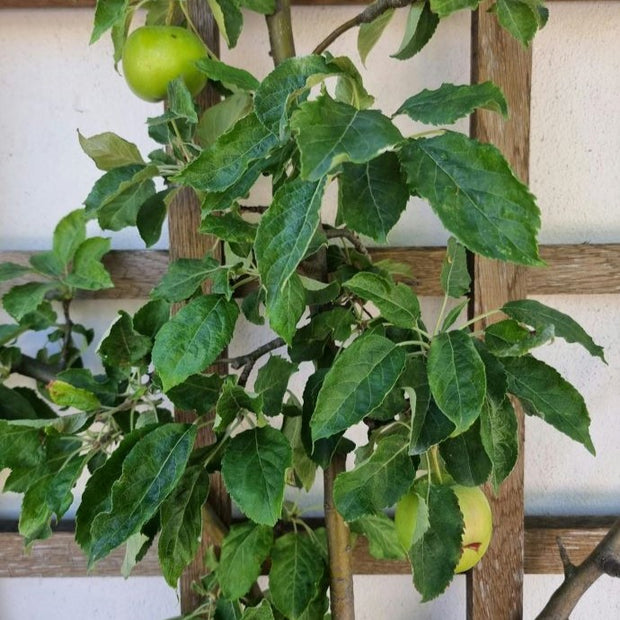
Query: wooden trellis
[{"x": 495, "y": 587}]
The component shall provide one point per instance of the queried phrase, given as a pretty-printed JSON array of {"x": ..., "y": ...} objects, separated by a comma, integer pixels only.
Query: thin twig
[
  {"x": 604, "y": 560},
  {"x": 253, "y": 208},
  {"x": 252, "y": 356},
  {"x": 68, "y": 330},
  {"x": 369, "y": 14},
  {"x": 349, "y": 235}
]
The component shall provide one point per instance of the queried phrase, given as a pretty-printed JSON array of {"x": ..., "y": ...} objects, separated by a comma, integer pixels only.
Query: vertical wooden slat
[
  {"x": 187, "y": 242},
  {"x": 495, "y": 586}
]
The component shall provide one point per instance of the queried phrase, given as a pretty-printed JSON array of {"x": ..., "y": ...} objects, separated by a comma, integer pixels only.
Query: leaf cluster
[{"x": 352, "y": 347}]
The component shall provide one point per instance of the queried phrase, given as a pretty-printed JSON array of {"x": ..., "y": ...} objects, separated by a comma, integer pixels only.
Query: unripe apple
[
  {"x": 477, "y": 518},
  {"x": 153, "y": 56}
]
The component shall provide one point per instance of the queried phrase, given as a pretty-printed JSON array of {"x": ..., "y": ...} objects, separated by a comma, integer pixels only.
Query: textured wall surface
[{"x": 52, "y": 84}]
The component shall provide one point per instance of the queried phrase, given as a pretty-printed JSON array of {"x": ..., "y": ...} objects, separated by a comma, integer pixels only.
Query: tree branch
[
  {"x": 369, "y": 14},
  {"x": 339, "y": 545},
  {"x": 248, "y": 360},
  {"x": 349, "y": 235},
  {"x": 604, "y": 560},
  {"x": 281, "y": 41},
  {"x": 33, "y": 368}
]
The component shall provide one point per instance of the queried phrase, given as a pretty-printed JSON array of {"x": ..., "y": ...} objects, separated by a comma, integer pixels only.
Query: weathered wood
[
  {"x": 577, "y": 269},
  {"x": 44, "y": 4},
  {"x": 187, "y": 242},
  {"x": 495, "y": 585},
  {"x": 59, "y": 556}
]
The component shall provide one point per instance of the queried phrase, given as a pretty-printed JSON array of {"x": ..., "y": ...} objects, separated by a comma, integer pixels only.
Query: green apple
[
  {"x": 153, "y": 56},
  {"x": 477, "y": 517}
]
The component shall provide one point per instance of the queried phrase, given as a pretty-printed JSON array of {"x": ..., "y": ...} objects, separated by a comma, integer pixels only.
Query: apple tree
[{"x": 436, "y": 399}]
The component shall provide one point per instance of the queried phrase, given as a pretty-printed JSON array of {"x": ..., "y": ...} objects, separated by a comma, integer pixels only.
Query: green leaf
[
  {"x": 10, "y": 271},
  {"x": 539, "y": 316},
  {"x": 456, "y": 377},
  {"x": 475, "y": 194},
  {"x": 233, "y": 401},
  {"x": 266, "y": 7},
  {"x": 88, "y": 272},
  {"x": 245, "y": 548},
  {"x": 271, "y": 382},
  {"x": 133, "y": 547},
  {"x": 453, "y": 315},
  {"x": 66, "y": 395},
  {"x": 499, "y": 434},
  {"x": 262, "y": 611},
  {"x": 229, "y": 19},
  {"x": 48, "y": 496},
  {"x": 329, "y": 133},
  {"x": 443, "y": 8},
  {"x": 124, "y": 346},
  {"x": 221, "y": 201},
  {"x": 117, "y": 196},
  {"x": 47, "y": 264},
  {"x": 288, "y": 79},
  {"x": 254, "y": 469},
  {"x": 448, "y": 103},
  {"x": 372, "y": 196},
  {"x": 498, "y": 421},
  {"x": 110, "y": 151},
  {"x": 296, "y": 570},
  {"x": 20, "y": 446},
  {"x": 193, "y": 338},
  {"x": 229, "y": 227},
  {"x": 357, "y": 383},
  {"x": 9, "y": 332},
  {"x": 183, "y": 278},
  {"x": 521, "y": 18},
  {"x": 220, "y": 117},
  {"x": 97, "y": 496},
  {"x": 369, "y": 34},
  {"x": 231, "y": 77},
  {"x": 150, "y": 472},
  {"x": 287, "y": 308},
  {"x": 284, "y": 235},
  {"x": 381, "y": 534},
  {"x": 69, "y": 234},
  {"x": 150, "y": 318},
  {"x": 108, "y": 13},
  {"x": 455, "y": 280},
  {"x": 304, "y": 468},
  {"x": 435, "y": 556},
  {"x": 350, "y": 85},
  {"x": 465, "y": 457},
  {"x": 25, "y": 298},
  {"x": 397, "y": 303},
  {"x": 181, "y": 523},
  {"x": 197, "y": 393},
  {"x": 428, "y": 425},
  {"x": 510, "y": 339},
  {"x": 546, "y": 394},
  {"x": 420, "y": 27},
  {"x": 377, "y": 482},
  {"x": 180, "y": 102},
  {"x": 224, "y": 164}
]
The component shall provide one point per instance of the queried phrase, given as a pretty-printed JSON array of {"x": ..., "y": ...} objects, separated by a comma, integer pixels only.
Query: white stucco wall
[{"x": 52, "y": 84}]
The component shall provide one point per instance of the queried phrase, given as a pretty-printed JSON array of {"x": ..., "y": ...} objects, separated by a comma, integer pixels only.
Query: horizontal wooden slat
[
  {"x": 59, "y": 556},
  {"x": 42, "y": 4},
  {"x": 579, "y": 269},
  {"x": 46, "y": 4}
]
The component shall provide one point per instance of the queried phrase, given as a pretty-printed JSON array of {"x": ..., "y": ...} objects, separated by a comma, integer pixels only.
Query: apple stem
[{"x": 434, "y": 464}]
